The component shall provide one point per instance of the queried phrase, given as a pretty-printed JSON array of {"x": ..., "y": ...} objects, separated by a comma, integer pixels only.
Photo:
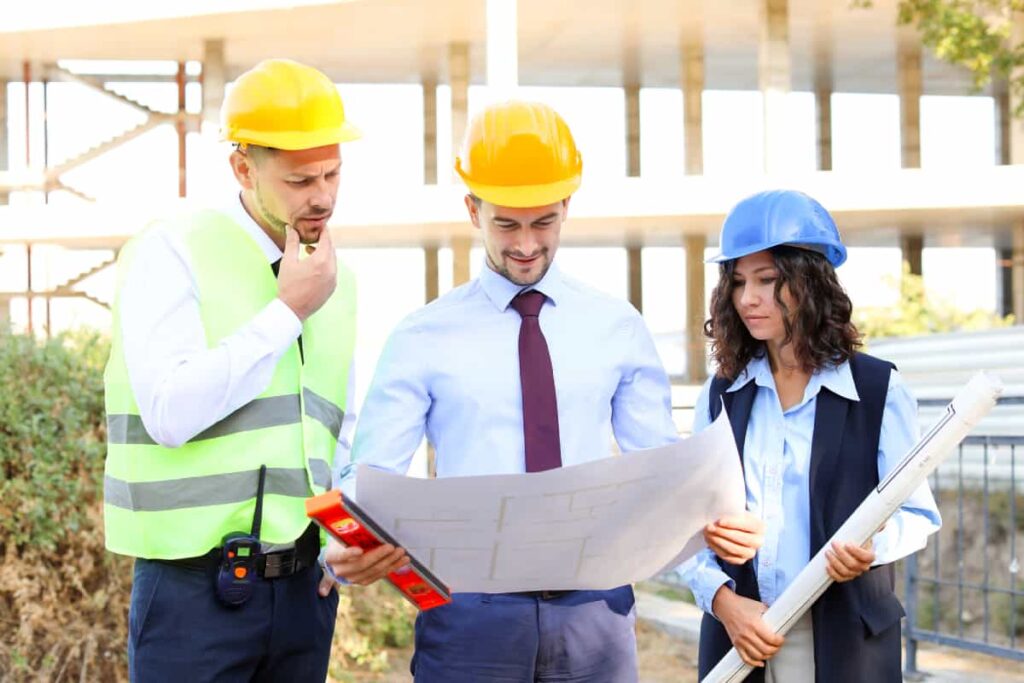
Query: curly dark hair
[{"x": 820, "y": 329}]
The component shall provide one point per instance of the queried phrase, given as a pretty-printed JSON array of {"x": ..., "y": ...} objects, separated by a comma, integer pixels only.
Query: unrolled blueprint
[{"x": 592, "y": 526}]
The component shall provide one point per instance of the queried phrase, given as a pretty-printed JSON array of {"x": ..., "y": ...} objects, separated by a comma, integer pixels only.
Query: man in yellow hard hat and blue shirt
[
  {"x": 227, "y": 397},
  {"x": 523, "y": 369}
]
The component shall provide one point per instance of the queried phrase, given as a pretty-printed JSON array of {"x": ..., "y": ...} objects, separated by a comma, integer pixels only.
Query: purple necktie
[{"x": 540, "y": 408}]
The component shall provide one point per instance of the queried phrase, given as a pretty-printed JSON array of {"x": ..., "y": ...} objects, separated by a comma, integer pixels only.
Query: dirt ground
[{"x": 663, "y": 659}]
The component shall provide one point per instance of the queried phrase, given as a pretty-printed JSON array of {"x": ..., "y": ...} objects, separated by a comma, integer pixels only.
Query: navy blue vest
[{"x": 856, "y": 624}]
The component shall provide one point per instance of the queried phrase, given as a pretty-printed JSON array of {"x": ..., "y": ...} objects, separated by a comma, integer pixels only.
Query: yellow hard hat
[
  {"x": 519, "y": 154},
  {"x": 285, "y": 105}
]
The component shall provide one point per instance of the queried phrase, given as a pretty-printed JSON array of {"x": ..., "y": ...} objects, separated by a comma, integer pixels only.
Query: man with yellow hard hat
[
  {"x": 227, "y": 397},
  {"x": 521, "y": 370}
]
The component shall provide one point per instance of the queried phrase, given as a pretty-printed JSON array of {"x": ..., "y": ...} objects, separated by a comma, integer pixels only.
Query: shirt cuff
[
  {"x": 327, "y": 568},
  {"x": 709, "y": 597},
  {"x": 905, "y": 533},
  {"x": 346, "y": 481},
  {"x": 704, "y": 577},
  {"x": 279, "y": 324}
]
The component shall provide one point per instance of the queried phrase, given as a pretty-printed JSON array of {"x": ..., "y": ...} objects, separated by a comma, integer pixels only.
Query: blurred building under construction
[{"x": 772, "y": 46}]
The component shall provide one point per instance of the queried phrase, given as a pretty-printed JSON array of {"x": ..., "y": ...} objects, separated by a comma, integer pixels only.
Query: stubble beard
[{"x": 506, "y": 272}]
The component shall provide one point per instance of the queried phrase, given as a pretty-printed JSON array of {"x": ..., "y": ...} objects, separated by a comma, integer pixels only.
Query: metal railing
[{"x": 965, "y": 588}]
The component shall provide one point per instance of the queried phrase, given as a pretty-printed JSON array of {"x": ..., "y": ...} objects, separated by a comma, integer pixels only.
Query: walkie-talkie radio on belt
[
  {"x": 348, "y": 523},
  {"x": 239, "y": 554}
]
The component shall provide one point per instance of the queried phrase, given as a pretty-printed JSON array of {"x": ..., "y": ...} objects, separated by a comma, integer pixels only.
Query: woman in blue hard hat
[{"x": 817, "y": 425}]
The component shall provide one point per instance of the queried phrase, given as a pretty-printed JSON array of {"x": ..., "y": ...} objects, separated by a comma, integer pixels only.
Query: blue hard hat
[{"x": 769, "y": 219}]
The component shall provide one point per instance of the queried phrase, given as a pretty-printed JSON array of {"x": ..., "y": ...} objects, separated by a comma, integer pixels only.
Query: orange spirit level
[{"x": 346, "y": 521}]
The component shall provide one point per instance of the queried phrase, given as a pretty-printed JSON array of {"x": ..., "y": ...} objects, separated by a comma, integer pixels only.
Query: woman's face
[{"x": 753, "y": 296}]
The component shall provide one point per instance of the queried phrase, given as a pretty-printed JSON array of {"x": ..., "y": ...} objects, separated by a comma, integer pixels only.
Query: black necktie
[{"x": 276, "y": 267}]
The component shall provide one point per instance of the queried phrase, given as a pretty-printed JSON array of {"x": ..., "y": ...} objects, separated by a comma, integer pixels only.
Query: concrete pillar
[
  {"x": 429, "y": 131},
  {"x": 1010, "y": 137},
  {"x": 1010, "y": 274},
  {"x": 912, "y": 246},
  {"x": 1004, "y": 281},
  {"x": 1016, "y": 273},
  {"x": 432, "y": 273},
  {"x": 696, "y": 350},
  {"x": 1004, "y": 124},
  {"x": 29, "y": 287},
  {"x": 460, "y": 260},
  {"x": 823, "y": 86},
  {"x": 693, "y": 107},
  {"x": 5, "y": 159},
  {"x": 635, "y": 269},
  {"x": 823, "y": 129},
  {"x": 502, "y": 48},
  {"x": 214, "y": 79},
  {"x": 458, "y": 80},
  {"x": 26, "y": 78},
  {"x": 632, "y": 130},
  {"x": 693, "y": 137},
  {"x": 182, "y": 131},
  {"x": 909, "y": 73},
  {"x": 774, "y": 80},
  {"x": 910, "y": 76}
]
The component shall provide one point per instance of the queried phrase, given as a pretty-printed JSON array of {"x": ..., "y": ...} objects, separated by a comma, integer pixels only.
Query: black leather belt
[
  {"x": 273, "y": 565},
  {"x": 546, "y": 595}
]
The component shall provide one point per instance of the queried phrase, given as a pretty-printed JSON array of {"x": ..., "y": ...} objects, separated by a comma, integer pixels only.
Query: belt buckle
[
  {"x": 550, "y": 595},
  {"x": 279, "y": 564}
]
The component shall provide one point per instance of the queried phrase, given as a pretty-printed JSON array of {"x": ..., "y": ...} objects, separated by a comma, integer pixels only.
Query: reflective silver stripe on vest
[
  {"x": 127, "y": 429},
  {"x": 321, "y": 472},
  {"x": 259, "y": 413},
  {"x": 324, "y": 412},
  {"x": 213, "y": 489}
]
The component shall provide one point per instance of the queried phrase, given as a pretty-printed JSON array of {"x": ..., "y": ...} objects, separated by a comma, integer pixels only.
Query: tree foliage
[{"x": 975, "y": 34}]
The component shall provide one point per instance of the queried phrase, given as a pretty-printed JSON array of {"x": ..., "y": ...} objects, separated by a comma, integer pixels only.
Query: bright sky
[{"x": 957, "y": 132}]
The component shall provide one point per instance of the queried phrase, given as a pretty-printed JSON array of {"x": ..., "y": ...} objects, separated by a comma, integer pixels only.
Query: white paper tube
[{"x": 971, "y": 404}]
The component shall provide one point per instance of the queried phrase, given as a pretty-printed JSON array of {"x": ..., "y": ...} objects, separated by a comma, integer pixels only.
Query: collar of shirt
[
  {"x": 237, "y": 211},
  {"x": 500, "y": 290},
  {"x": 836, "y": 378}
]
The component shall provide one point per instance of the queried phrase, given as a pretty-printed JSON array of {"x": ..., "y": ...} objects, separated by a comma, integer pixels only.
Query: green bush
[
  {"x": 63, "y": 598},
  {"x": 915, "y": 313},
  {"x": 51, "y": 436}
]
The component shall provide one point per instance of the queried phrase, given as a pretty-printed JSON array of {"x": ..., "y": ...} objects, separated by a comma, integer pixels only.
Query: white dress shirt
[{"x": 180, "y": 384}]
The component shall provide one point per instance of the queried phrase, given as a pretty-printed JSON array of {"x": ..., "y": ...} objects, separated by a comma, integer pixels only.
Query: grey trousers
[{"x": 794, "y": 662}]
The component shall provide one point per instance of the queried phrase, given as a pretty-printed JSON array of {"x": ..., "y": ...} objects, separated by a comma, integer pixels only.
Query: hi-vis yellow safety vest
[{"x": 166, "y": 503}]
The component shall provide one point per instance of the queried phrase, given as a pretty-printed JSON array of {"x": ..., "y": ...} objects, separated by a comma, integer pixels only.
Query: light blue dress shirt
[
  {"x": 776, "y": 460},
  {"x": 451, "y": 370}
]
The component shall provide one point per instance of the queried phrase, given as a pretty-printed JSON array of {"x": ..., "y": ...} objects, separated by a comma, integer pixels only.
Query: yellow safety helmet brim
[
  {"x": 293, "y": 140},
  {"x": 521, "y": 196}
]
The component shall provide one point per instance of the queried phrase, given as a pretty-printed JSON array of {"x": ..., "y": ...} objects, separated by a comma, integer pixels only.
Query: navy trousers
[
  {"x": 522, "y": 638},
  {"x": 178, "y": 631}
]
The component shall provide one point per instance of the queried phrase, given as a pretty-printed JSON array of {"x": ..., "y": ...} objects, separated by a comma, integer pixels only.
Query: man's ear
[
  {"x": 242, "y": 167},
  {"x": 473, "y": 209}
]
